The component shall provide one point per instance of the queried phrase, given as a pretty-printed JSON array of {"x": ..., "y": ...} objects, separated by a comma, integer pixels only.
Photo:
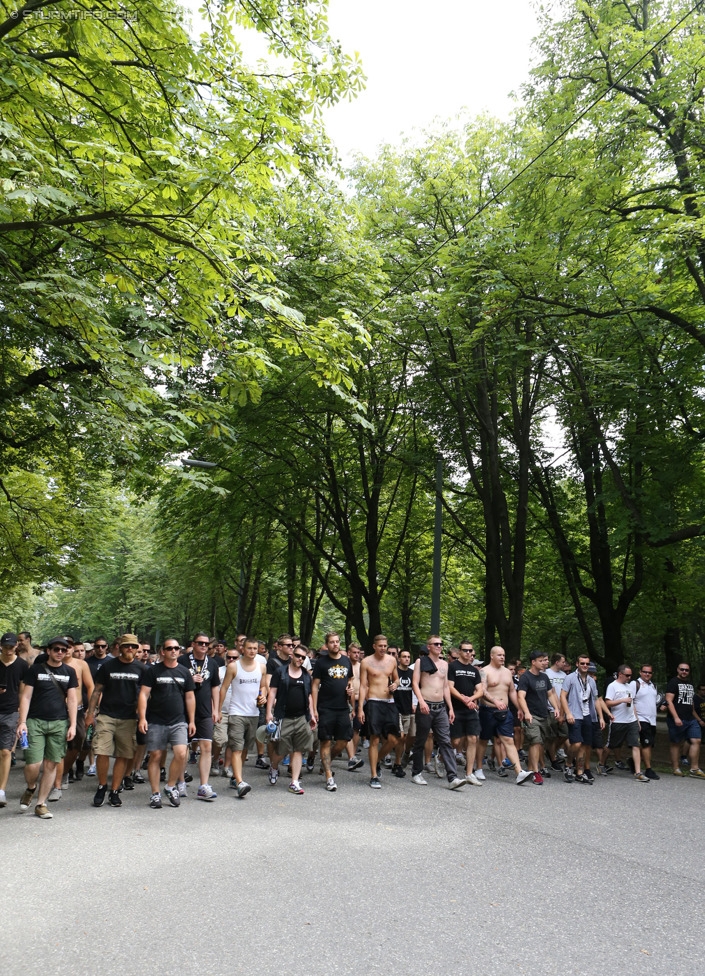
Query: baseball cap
[{"x": 9, "y": 639}]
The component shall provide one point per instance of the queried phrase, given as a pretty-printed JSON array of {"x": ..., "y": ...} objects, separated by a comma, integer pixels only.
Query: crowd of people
[{"x": 71, "y": 708}]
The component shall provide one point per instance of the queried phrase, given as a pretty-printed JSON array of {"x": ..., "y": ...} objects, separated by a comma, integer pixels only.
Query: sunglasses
[
  {"x": 58, "y": 650},
  {"x": 299, "y": 657},
  {"x": 201, "y": 643},
  {"x": 233, "y": 658},
  {"x": 172, "y": 647}
]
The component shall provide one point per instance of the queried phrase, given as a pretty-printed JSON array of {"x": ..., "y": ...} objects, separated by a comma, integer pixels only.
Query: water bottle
[
  {"x": 24, "y": 741},
  {"x": 271, "y": 728},
  {"x": 89, "y": 733}
]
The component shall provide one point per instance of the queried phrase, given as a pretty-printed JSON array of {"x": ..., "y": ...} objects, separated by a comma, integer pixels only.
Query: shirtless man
[
  {"x": 433, "y": 712},
  {"x": 85, "y": 685},
  {"x": 378, "y": 682},
  {"x": 25, "y": 649},
  {"x": 248, "y": 677},
  {"x": 496, "y": 718}
]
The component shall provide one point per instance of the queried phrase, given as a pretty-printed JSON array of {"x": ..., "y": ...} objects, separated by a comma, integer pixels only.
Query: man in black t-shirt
[
  {"x": 12, "y": 676},
  {"x": 48, "y": 706},
  {"x": 682, "y": 722},
  {"x": 278, "y": 659},
  {"x": 534, "y": 692},
  {"x": 117, "y": 686},
  {"x": 289, "y": 699},
  {"x": 331, "y": 693},
  {"x": 206, "y": 678},
  {"x": 404, "y": 699},
  {"x": 166, "y": 707},
  {"x": 465, "y": 683}
]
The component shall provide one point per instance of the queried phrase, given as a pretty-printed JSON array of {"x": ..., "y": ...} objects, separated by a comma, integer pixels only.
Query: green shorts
[
  {"x": 536, "y": 733},
  {"x": 47, "y": 740}
]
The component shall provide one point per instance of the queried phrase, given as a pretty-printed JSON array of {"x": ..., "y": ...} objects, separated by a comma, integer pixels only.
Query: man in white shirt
[
  {"x": 248, "y": 679},
  {"x": 619, "y": 698}
]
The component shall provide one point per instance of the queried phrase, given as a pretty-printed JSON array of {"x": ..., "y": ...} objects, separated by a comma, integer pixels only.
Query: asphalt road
[{"x": 403, "y": 881}]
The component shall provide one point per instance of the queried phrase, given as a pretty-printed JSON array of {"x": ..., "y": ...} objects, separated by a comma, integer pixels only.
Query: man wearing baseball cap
[{"x": 13, "y": 671}]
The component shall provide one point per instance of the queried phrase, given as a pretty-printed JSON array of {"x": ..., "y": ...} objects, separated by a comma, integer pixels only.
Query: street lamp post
[{"x": 437, "y": 535}]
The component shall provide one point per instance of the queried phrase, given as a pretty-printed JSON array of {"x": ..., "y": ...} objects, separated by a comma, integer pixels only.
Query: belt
[{"x": 436, "y": 706}]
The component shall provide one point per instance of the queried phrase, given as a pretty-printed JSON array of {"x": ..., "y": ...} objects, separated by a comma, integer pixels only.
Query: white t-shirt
[
  {"x": 645, "y": 697},
  {"x": 622, "y": 713},
  {"x": 556, "y": 678}
]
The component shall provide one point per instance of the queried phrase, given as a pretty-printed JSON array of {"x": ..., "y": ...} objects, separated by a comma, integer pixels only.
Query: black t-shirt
[
  {"x": 48, "y": 702},
  {"x": 683, "y": 700},
  {"x": 209, "y": 668},
  {"x": 699, "y": 706},
  {"x": 96, "y": 663},
  {"x": 466, "y": 678},
  {"x": 537, "y": 687},
  {"x": 275, "y": 663},
  {"x": 334, "y": 675},
  {"x": 166, "y": 702},
  {"x": 121, "y": 684},
  {"x": 11, "y": 676},
  {"x": 296, "y": 698},
  {"x": 403, "y": 694}
]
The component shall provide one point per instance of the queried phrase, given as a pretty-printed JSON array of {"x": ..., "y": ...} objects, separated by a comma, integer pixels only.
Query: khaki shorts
[
  {"x": 241, "y": 731},
  {"x": 536, "y": 733},
  {"x": 408, "y": 725},
  {"x": 115, "y": 737},
  {"x": 220, "y": 733},
  {"x": 296, "y": 736}
]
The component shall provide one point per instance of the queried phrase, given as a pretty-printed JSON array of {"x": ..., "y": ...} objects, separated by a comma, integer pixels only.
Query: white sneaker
[
  {"x": 3, "y": 799},
  {"x": 181, "y": 787},
  {"x": 65, "y": 782},
  {"x": 91, "y": 771},
  {"x": 456, "y": 783},
  {"x": 439, "y": 767},
  {"x": 330, "y": 785},
  {"x": 479, "y": 776},
  {"x": 54, "y": 795},
  {"x": 472, "y": 779},
  {"x": 419, "y": 780},
  {"x": 227, "y": 771},
  {"x": 215, "y": 770}
]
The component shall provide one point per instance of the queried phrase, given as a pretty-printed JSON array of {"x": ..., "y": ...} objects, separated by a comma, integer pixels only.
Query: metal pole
[{"x": 437, "y": 534}]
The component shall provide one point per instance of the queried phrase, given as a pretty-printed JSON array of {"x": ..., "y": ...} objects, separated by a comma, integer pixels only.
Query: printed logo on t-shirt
[
  {"x": 168, "y": 680},
  {"x": 63, "y": 678},
  {"x": 338, "y": 671}
]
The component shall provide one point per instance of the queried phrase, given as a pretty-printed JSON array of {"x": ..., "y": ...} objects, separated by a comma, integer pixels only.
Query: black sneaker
[
  {"x": 99, "y": 797},
  {"x": 162, "y": 775},
  {"x": 127, "y": 783},
  {"x": 114, "y": 799},
  {"x": 188, "y": 778},
  {"x": 261, "y": 763},
  {"x": 137, "y": 777},
  {"x": 355, "y": 763},
  {"x": 557, "y": 765},
  {"x": 398, "y": 771},
  {"x": 80, "y": 770},
  {"x": 651, "y": 774},
  {"x": 588, "y": 776}
]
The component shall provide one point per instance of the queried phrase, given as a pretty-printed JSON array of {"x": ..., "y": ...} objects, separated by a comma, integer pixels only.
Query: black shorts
[
  {"x": 334, "y": 726},
  {"x": 204, "y": 729},
  {"x": 467, "y": 722},
  {"x": 382, "y": 718},
  {"x": 647, "y": 734}
]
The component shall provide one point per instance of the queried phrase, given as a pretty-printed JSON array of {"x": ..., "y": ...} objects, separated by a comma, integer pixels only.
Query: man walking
[
  {"x": 534, "y": 692},
  {"x": 378, "y": 682},
  {"x": 247, "y": 680},
  {"x": 682, "y": 722},
  {"x": 330, "y": 693},
  {"x": 619, "y": 698},
  {"x": 206, "y": 678},
  {"x": 289, "y": 702},
  {"x": 434, "y": 712},
  {"x": 13, "y": 672}
]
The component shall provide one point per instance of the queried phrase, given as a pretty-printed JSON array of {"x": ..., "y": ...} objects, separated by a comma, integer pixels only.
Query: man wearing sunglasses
[
  {"x": 682, "y": 722},
  {"x": 12, "y": 676},
  {"x": 434, "y": 712},
  {"x": 206, "y": 678},
  {"x": 289, "y": 700},
  {"x": 247, "y": 678},
  {"x": 48, "y": 707}
]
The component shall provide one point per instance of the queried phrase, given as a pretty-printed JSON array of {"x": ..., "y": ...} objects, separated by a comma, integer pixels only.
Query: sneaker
[
  {"x": 243, "y": 789},
  {"x": 561, "y": 754},
  {"x": 114, "y": 799},
  {"x": 568, "y": 775},
  {"x": 507, "y": 763},
  {"x": 582, "y": 778},
  {"x": 192, "y": 759},
  {"x": 172, "y": 795},
  {"x": 3, "y": 799},
  {"x": 398, "y": 771},
  {"x": 91, "y": 771},
  {"x": 99, "y": 797},
  {"x": 54, "y": 796},
  {"x": 641, "y": 778},
  {"x": 273, "y": 775},
  {"x": 137, "y": 777},
  {"x": 439, "y": 767},
  {"x": 127, "y": 783},
  {"x": 311, "y": 763},
  {"x": 80, "y": 770},
  {"x": 65, "y": 782},
  {"x": 353, "y": 764},
  {"x": 26, "y": 798},
  {"x": 215, "y": 769},
  {"x": 42, "y": 811},
  {"x": 206, "y": 793},
  {"x": 188, "y": 778},
  {"x": 697, "y": 773},
  {"x": 227, "y": 771},
  {"x": 651, "y": 774},
  {"x": 522, "y": 755},
  {"x": 491, "y": 763},
  {"x": 608, "y": 768},
  {"x": 557, "y": 765},
  {"x": 479, "y": 776},
  {"x": 455, "y": 783},
  {"x": 546, "y": 773},
  {"x": 588, "y": 775},
  {"x": 472, "y": 779},
  {"x": 388, "y": 761},
  {"x": 419, "y": 780},
  {"x": 620, "y": 765},
  {"x": 678, "y": 772},
  {"x": 502, "y": 772},
  {"x": 601, "y": 771},
  {"x": 261, "y": 763},
  {"x": 428, "y": 767},
  {"x": 375, "y": 783},
  {"x": 538, "y": 779},
  {"x": 523, "y": 776},
  {"x": 330, "y": 785},
  {"x": 181, "y": 787},
  {"x": 685, "y": 761},
  {"x": 295, "y": 787},
  {"x": 155, "y": 801}
]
